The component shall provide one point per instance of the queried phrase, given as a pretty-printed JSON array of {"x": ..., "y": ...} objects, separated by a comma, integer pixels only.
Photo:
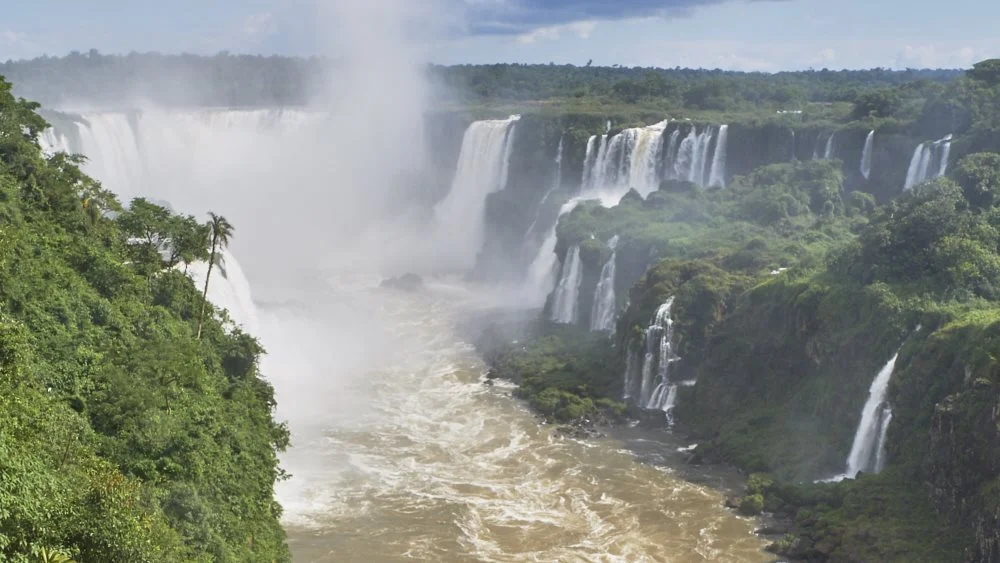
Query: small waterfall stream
[
  {"x": 869, "y": 440},
  {"x": 565, "y": 302},
  {"x": 653, "y": 389},
  {"x": 602, "y": 317},
  {"x": 929, "y": 161},
  {"x": 868, "y": 449},
  {"x": 717, "y": 174},
  {"x": 866, "y": 155}
]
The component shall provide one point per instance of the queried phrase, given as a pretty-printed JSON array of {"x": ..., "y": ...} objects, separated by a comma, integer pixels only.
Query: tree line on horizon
[{"x": 231, "y": 80}]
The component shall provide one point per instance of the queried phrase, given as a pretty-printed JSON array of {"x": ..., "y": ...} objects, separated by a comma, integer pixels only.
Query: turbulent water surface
[{"x": 401, "y": 452}]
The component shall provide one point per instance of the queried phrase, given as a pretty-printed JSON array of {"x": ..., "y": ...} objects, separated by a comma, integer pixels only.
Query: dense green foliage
[{"x": 122, "y": 436}]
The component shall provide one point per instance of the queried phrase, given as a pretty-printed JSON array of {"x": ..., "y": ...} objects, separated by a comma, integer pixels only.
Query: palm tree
[{"x": 221, "y": 230}]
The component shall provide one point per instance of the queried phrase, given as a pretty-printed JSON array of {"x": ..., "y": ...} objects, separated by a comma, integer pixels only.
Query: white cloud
[
  {"x": 259, "y": 24},
  {"x": 938, "y": 55},
  {"x": 581, "y": 29}
]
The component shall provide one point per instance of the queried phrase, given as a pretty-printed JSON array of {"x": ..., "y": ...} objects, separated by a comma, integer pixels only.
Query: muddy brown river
[{"x": 401, "y": 453}]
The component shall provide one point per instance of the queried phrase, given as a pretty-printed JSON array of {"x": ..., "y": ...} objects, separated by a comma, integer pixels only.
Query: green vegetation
[
  {"x": 123, "y": 436},
  {"x": 562, "y": 373}
]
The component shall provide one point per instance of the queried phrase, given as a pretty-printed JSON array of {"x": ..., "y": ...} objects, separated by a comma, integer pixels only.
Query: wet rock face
[{"x": 964, "y": 463}]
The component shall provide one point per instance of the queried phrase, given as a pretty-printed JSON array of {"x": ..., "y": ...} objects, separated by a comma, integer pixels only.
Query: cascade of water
[
  {"x": 630, "y": 159},
  {"x": 482, "y": 169},
  {"x": 930, "y": 160},
  {"x": 229, "y": 290},
  {"x": 644, "y": 171},
  {"x": 597, "y": 175},
  {"x": 565, "y": 302},
  {"x": 588, "y": 160},
  {"x": 945, "y": 155},
  {"x": 670, "y": 156},
  {"x": 869, "y": 440},
  {"x": 543, "y": 269},
  {"x": 828, "y": 152},
  {"x": 792, "y": 131},
  {"x": 866, "y": 155},
  {"x": 603, "y": 311},
  {"x": 656, "y": 390},
  {"x": 880, "y": 458},
  {"x": 692, "y": 156},
  {"x": 717, "y": 176}
]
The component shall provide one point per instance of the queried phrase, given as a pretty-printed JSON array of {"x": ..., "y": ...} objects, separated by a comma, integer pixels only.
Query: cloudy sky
[{"x": 763, "y": 35}]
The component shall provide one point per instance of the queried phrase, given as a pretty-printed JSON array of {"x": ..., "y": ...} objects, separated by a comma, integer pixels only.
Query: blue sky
[{"x": 764, "y": 35}]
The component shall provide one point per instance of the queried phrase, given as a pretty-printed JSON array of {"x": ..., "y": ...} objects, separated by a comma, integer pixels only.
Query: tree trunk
[{"x": 204, "y": 294}]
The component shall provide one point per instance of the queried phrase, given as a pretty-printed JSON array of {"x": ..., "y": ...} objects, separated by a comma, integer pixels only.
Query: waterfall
[
  {"x": 929, "y": 161},
  {"x": 656, "y": 390},
  {"x": 565, "y": 302},
  {"x": 866, "y": 155},
  {"x": 542, "y": 271},
  {"x": 692, "y": 156},
  {"x": 482, "y": 169},
  {"x": 603, "y": 312},
  {"x": 869, "y": 440},
  {"x": 629, "y": 159},
  {"x": 589, "y": 159},
  {"x": 637, "y": 158},
  {"x": 228, "y": 289},
  {"x": 174, "y": 166},
  {"x": 646, "y": 145},
  {"x": 792, "y": 131},
  {"x": 717, "y": 177},
  {"x": 670, "y": 156},
  {"x": 828, "y": 153}
]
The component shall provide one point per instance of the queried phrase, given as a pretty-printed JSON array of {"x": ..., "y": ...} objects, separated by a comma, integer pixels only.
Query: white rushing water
[
  {"x": 642, "y": 158},
  {"x": 228, "y": 289},
  {"x": 823, "y": 150},
  {"x": 692, "y": 157},
  {"x": 867, "y": 450},
  {"x": 866, "y": 155},
  {"x": 410, "y": 456},
  {"x": 647, "y": 379},
  {"x": 566, "y": 299},
  {"x": 717, "y": 174},
  {"x": 482, "y": 169},
  {"x": 929, "y": 161},
  {"x": 602, "y": 317}
]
